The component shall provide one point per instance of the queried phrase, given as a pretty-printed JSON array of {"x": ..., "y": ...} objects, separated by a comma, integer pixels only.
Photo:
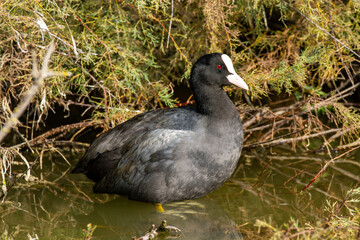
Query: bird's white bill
[
  {"x": 237, "y": 80},
  {"x": 233, "y": 77}
]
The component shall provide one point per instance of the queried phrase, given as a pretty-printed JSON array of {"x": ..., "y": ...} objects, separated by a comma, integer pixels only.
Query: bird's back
[{"x": 148, "y": 136}]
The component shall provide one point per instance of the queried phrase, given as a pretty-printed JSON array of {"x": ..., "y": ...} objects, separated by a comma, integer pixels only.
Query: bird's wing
[
  {"x": 143, "y": 161},
  {"x": 136, "y": 140}
]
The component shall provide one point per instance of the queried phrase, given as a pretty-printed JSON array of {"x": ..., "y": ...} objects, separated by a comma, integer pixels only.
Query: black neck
[{"x": 214, "y": 102}]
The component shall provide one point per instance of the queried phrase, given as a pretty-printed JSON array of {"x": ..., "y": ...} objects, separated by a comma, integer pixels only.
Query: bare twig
[
  {"x": 162, "y": 229},
  {"x": 171, "y": 19},
  {"x": 277, "y": 139},
  {"x": 289, "y": 140},
  {"x": 39, "y": 77},
  {"x": 254, "y": 119},
  {"x": 297, "y": 174},
  {"x": 271, "y": 118},
  {"x": 342, "y": 132},
  {"x": 344, "y": 93},
  {"x": 326, "y": 165},
  {"x": 3, "y": 194},
  {"x": 175, "y": 44},
  {"x": 352, "y": 144},
  {"x": 64, "y": 128},
  {"x": 44, "y": 138}
]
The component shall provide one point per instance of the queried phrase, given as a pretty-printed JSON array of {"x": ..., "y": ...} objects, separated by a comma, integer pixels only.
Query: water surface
[{"x": 267, "y": 185}]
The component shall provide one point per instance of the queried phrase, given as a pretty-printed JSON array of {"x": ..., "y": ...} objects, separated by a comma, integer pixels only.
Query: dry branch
[
  {"x": 162, "y": 229},
  {"x": 295, "y": 117},
  {"x": 290, "y": 140},
  {"x": 39, "y": 78},
  {"x": 326, "y": 165},
  {"x": 62, "y": 129}
]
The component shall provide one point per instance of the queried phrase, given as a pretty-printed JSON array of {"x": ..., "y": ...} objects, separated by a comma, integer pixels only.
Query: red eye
[{"x": 219, "y": 66}]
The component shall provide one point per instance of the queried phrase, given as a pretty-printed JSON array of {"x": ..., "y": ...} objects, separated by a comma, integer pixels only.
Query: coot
[{"x": 173, "y": 154}]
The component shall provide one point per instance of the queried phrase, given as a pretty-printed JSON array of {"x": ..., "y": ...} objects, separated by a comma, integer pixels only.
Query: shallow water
[{"x": 266, "y": 185}]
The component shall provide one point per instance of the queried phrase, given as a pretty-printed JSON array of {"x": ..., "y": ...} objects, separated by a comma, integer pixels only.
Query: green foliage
[
  {"x": 117, "y": 50},
  {"x": 108, "y": 46}
]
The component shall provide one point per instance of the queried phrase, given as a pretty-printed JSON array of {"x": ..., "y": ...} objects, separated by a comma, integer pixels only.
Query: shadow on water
[{"x": 55, "y": 204}]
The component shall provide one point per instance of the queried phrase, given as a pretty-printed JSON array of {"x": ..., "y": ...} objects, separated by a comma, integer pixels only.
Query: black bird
[{"x": 173, "y": 154}]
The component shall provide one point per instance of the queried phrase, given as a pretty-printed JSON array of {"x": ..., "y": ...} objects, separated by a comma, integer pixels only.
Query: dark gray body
[{"x": 169, "y": 155}]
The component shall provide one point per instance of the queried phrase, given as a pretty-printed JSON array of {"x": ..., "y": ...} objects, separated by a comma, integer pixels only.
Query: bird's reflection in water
[{"x": 124, "y": 219}]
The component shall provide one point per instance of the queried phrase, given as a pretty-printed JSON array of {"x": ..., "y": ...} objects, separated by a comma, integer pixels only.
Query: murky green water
[{"x": 266, "y": 186}]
